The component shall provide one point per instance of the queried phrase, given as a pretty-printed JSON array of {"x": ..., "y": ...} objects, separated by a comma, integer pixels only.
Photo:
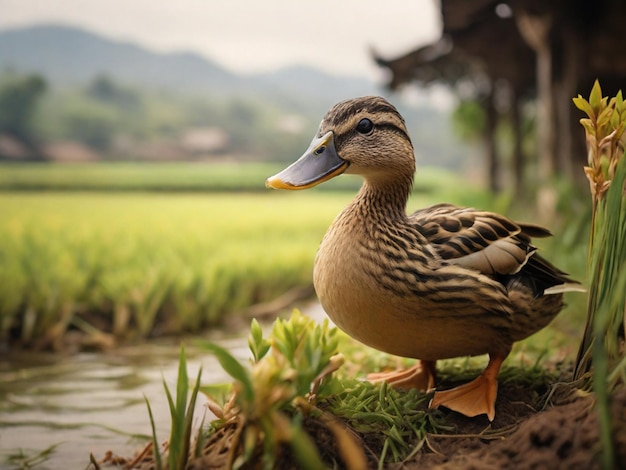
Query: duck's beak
[{"x": 319, "y": 163}]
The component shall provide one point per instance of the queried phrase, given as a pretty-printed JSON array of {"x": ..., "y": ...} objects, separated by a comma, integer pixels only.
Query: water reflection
[{"x": 92, "y": 403}]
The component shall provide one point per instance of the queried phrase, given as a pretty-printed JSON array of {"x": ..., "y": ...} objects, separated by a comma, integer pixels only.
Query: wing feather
[{"x": 484, "y": 241}]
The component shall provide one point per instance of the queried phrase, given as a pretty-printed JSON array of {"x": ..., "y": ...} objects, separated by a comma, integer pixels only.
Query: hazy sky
[{"x": 249, "y": 35}]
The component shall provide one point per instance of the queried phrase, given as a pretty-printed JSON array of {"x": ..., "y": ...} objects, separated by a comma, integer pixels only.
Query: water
[{"x": 93, "y": 402}]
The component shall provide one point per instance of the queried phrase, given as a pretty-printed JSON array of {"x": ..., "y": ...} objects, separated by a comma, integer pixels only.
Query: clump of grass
[
  {"x": 398, "y": 420},
  {"x": 272, "y": 399},
  {"x": 178, "y": 447},
  {"x": 602, "y": 346}
]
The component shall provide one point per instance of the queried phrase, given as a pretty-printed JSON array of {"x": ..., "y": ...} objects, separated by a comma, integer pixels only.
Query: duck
[{"x": 442, "y": 282}]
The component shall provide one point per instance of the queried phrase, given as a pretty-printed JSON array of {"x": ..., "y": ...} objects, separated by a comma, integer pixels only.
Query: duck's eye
[{"x": 365, "y": 126}]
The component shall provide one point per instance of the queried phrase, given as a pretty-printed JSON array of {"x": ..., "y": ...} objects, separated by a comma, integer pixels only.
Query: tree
[{"x": 19, "y": 98}]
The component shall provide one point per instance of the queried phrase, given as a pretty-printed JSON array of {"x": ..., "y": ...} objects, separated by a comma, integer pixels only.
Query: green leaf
[
  {"x": 619, "y": 103},
  {"x": 155, "y": 443},
  {"x": 182, "y": 383},
  {"x": 188, "y": 425},
  {"x": 603, "y": 120},
  {"x": 588, "y": 125},
  {"x": 257, "y": 344},
  {"x": 582, "y": 104},
  {"x": 615, "y": 117},
  {"x": 595, "y": 97},
  {"x": 170, "y": 400},
  {"x": 233, "y": 368}
]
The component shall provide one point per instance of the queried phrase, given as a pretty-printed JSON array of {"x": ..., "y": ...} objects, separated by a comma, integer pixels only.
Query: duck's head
[{"x": 365, "y": 136}]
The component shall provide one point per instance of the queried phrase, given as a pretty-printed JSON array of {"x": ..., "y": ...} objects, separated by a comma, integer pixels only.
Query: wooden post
[
  {"x": 491, "y": 121},
  {"x": 535, "y": 29},
  {"x": 518, "y": 153}
]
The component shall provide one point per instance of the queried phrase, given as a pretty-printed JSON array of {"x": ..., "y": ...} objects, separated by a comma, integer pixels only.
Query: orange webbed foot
[
  {"x": 476, "y": 397},
  {"x": 421, "y": 376}
]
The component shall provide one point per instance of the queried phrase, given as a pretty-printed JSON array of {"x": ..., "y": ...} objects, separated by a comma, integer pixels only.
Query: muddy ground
[{"x": 563, "y": 436}]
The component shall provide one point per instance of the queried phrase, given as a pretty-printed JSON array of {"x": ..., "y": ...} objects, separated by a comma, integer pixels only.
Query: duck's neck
[{"x": 384, "y": 199}]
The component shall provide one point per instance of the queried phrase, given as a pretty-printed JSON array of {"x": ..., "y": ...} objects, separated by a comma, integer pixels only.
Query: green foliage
[
  {"x": 181, "y": 411},
  {"x": 258, "y": 345},
  {"x": 19, "y": 99},
  {"x": 468, "y": 119},
  {"x": 91, "y": 122},
  {"x": 397, "y": 418},
  {"x": 117, "y": 120},
  {"x": 158, "y": 461},
  {"x": 602, "y": 343},
  {"x": 233, "y": 368},
  {"x": 270, "y": 399}
]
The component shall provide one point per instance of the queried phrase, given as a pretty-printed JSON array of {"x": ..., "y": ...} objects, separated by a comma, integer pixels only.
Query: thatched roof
[{"x": 489, "y": 38}]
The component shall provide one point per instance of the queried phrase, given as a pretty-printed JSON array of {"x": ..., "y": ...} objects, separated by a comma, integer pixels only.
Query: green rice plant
[
  {"x": 181, "y": 412},
  {"x": 133, "y": 264},
  {"x": 602, "y": 346}
]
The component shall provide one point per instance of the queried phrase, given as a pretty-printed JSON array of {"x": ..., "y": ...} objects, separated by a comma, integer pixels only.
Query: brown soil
[{"x": 563, "y": 436}]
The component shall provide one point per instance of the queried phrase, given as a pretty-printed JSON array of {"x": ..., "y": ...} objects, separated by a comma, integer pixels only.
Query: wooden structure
[{"x": 506, "y": 52}]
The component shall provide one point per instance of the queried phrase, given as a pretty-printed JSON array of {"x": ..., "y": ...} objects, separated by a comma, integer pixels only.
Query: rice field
[
  {"x": 129, "y": 176},
  {"x": 142, "y": 263}
]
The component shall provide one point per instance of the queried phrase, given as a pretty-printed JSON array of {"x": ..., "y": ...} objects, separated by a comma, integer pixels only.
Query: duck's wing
[{"x": 483, "y": 241}]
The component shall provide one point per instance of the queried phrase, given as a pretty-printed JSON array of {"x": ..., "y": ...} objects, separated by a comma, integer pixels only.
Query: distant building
[
  {"x": 68, "y": 151},
  {"x": 14, "y": 150},
  {"x": 205, "y": 140}
]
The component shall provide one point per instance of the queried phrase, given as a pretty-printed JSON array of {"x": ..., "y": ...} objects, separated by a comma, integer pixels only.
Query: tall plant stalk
[{"x": 602, "y": 347}]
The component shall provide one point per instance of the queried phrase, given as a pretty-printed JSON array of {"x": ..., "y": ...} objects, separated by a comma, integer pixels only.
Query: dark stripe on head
[
  {"x": 344, "y": 110},
  {"x": 344, "y": 116},
  {"x": 392, "y": 127}
]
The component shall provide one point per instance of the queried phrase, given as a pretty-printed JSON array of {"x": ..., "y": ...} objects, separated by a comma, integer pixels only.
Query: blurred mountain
[
  {"x": 304, "y": 81},
  {"x": 67, "y": 55}
]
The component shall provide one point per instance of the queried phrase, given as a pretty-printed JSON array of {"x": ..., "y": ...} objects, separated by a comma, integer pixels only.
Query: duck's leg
[
  {"x": 476, "y": 397},
  {"x": 420, "y": 376}
]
